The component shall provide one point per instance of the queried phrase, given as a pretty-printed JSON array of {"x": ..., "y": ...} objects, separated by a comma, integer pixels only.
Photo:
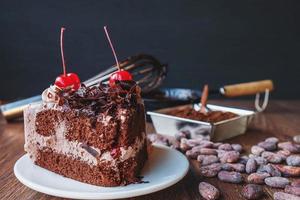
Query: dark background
[{"x": 215, "y": 42}]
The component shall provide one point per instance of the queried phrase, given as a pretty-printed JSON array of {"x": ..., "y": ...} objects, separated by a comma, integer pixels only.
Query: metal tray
[{"x": 169, "y": 125}]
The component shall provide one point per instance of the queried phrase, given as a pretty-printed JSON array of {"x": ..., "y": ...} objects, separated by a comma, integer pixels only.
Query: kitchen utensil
[
  {"x": 169, "y": 125},
  {"x": 169, "y": 97}
]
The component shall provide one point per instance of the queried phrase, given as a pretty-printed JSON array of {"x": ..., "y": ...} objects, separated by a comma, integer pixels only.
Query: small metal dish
[{"x": 169, "y": 125}]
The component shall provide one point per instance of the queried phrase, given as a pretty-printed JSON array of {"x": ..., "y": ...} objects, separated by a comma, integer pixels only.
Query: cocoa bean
[
  {"x": 195, "y": 151},
  {"x": 184, "y": 146},
  {"x": 182, "y": 134},
  {"x": 293, "y": 160},
  {"x": 217, "y": 144},
  {"x": 285, "y": 196},
  {"x": 175, "y": 145},
  {"x": 257, "y": 178},
  {"x": 233, "y": 167},
  {"x": 289, "y": 171},
  {"x": 269, "y": 146},
  {"x": 272, "y": 139},
  {"x": 243, "y": 160},
  {"x": 283, "y": 157},
  {"x": 252, "y": 191},
  {"x": 204, "y": 144},
  {"x": 260, "y": 160},
  {"x": 237, "y": 147},
  {"x": 230, "y": 177},
  {"x": 292, "y": 190},
  {"x": 198, "y": 135},
  {"x": 198, "y": 148},
  {"x": 272, "y": 157},
  {"x": 208, "y": 143},
  {"x": 277, "y": 182},
  {"x": 293, "y": 148},
  {"x": 190, "y": 143},
  {"x": 195, "y": 142},
  {"x": 257, "y": 150},
  {"x": 210, "y": 170},
  {"x": 208, "y": 159},
  {"x": 158, "y": 139},
  {"x": 269, "y": 169},
  {"x": 252, "y": 155},
  {"x": 296, "y": 138},
  {"x": 251, "y": 166},
  {"x": 225, "y": 147},
  {"x": 192, "y": 154},
  {"x": 208, "y": 191},
  {"x": 221, "y": 153},
  {"x": 261, "y": 168},
  {"x": 285, "y": 153},
  {"x": 230, "y": 157},
  {"x": 272, "y": 170},
  {"x": 200, "y": 157},
  {"x": 296, "y": 183},
  {"x": 207, "y": 151}
]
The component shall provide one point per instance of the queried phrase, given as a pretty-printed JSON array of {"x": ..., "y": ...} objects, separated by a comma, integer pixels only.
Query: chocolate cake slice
[{"x": 94, "y": 135}]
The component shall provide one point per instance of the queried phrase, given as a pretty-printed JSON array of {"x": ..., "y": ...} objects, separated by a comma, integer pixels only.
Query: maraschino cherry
[
  {"x": 70, "y": 80},
  {"x": 120, "y": 75}
]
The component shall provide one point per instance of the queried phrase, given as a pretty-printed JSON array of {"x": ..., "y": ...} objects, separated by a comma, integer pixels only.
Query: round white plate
[{"x": 164, "y": 168}]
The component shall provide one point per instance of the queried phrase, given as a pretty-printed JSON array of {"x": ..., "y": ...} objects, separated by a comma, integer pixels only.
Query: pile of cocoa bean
[{"x": 270, "y": 162}]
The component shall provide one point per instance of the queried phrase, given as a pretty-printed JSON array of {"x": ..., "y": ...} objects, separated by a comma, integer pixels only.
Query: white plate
[{"x": 164, "y": 168}]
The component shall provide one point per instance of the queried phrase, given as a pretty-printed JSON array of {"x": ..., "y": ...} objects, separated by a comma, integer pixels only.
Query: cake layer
[
  {"x": 104, "y": 174},
  {"x": 76, "y": 149},
  {"x": 105, "y": 132}
]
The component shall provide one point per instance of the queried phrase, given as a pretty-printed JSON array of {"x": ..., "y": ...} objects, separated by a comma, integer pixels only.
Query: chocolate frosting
[{"x": 101, "y": 98}]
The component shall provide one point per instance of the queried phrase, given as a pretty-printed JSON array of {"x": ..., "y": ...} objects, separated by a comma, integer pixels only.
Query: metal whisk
[{"x": 146, "y": 70}]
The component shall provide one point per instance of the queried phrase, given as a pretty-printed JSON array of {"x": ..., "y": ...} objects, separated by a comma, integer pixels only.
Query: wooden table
[{"x": 281, "y": 119}]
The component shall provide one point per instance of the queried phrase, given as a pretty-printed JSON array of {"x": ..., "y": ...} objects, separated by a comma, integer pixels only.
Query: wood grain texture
[
  {"x": 281, "y": 119},
  {"x": 250, "y": 88}
]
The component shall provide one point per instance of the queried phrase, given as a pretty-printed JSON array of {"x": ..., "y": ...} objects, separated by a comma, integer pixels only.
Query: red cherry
[
  {"x": 75, "y": 80},
  {"x": 63, "y": 81},
  {"x": 121, "y": 75},
  {"x": 70, "y": 80},
  {"x": 116, "y": 152}
]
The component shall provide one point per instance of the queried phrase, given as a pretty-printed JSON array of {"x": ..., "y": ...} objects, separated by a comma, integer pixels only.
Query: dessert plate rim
[{"x": 120, "y": 192}]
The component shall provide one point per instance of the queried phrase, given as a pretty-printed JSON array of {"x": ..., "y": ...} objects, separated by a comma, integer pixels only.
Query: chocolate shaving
[
  {"x": 103, "y": 98},
  {"x": 139, "y": 180},
  {"x": 89, "y": 149}
]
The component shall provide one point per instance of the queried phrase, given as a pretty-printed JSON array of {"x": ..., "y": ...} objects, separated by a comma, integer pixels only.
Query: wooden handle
[
  {"x": 204, "y": 99},
  {"x": 14, "y": 112},
  {"x": 250, "y": 88},
  {"x": 15, "y": 109}
]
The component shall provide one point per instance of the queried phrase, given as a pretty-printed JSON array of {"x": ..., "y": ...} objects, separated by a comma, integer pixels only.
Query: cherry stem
[
  {"x": 62, "y": 49},
  {"x": 112, "y": 48}
]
